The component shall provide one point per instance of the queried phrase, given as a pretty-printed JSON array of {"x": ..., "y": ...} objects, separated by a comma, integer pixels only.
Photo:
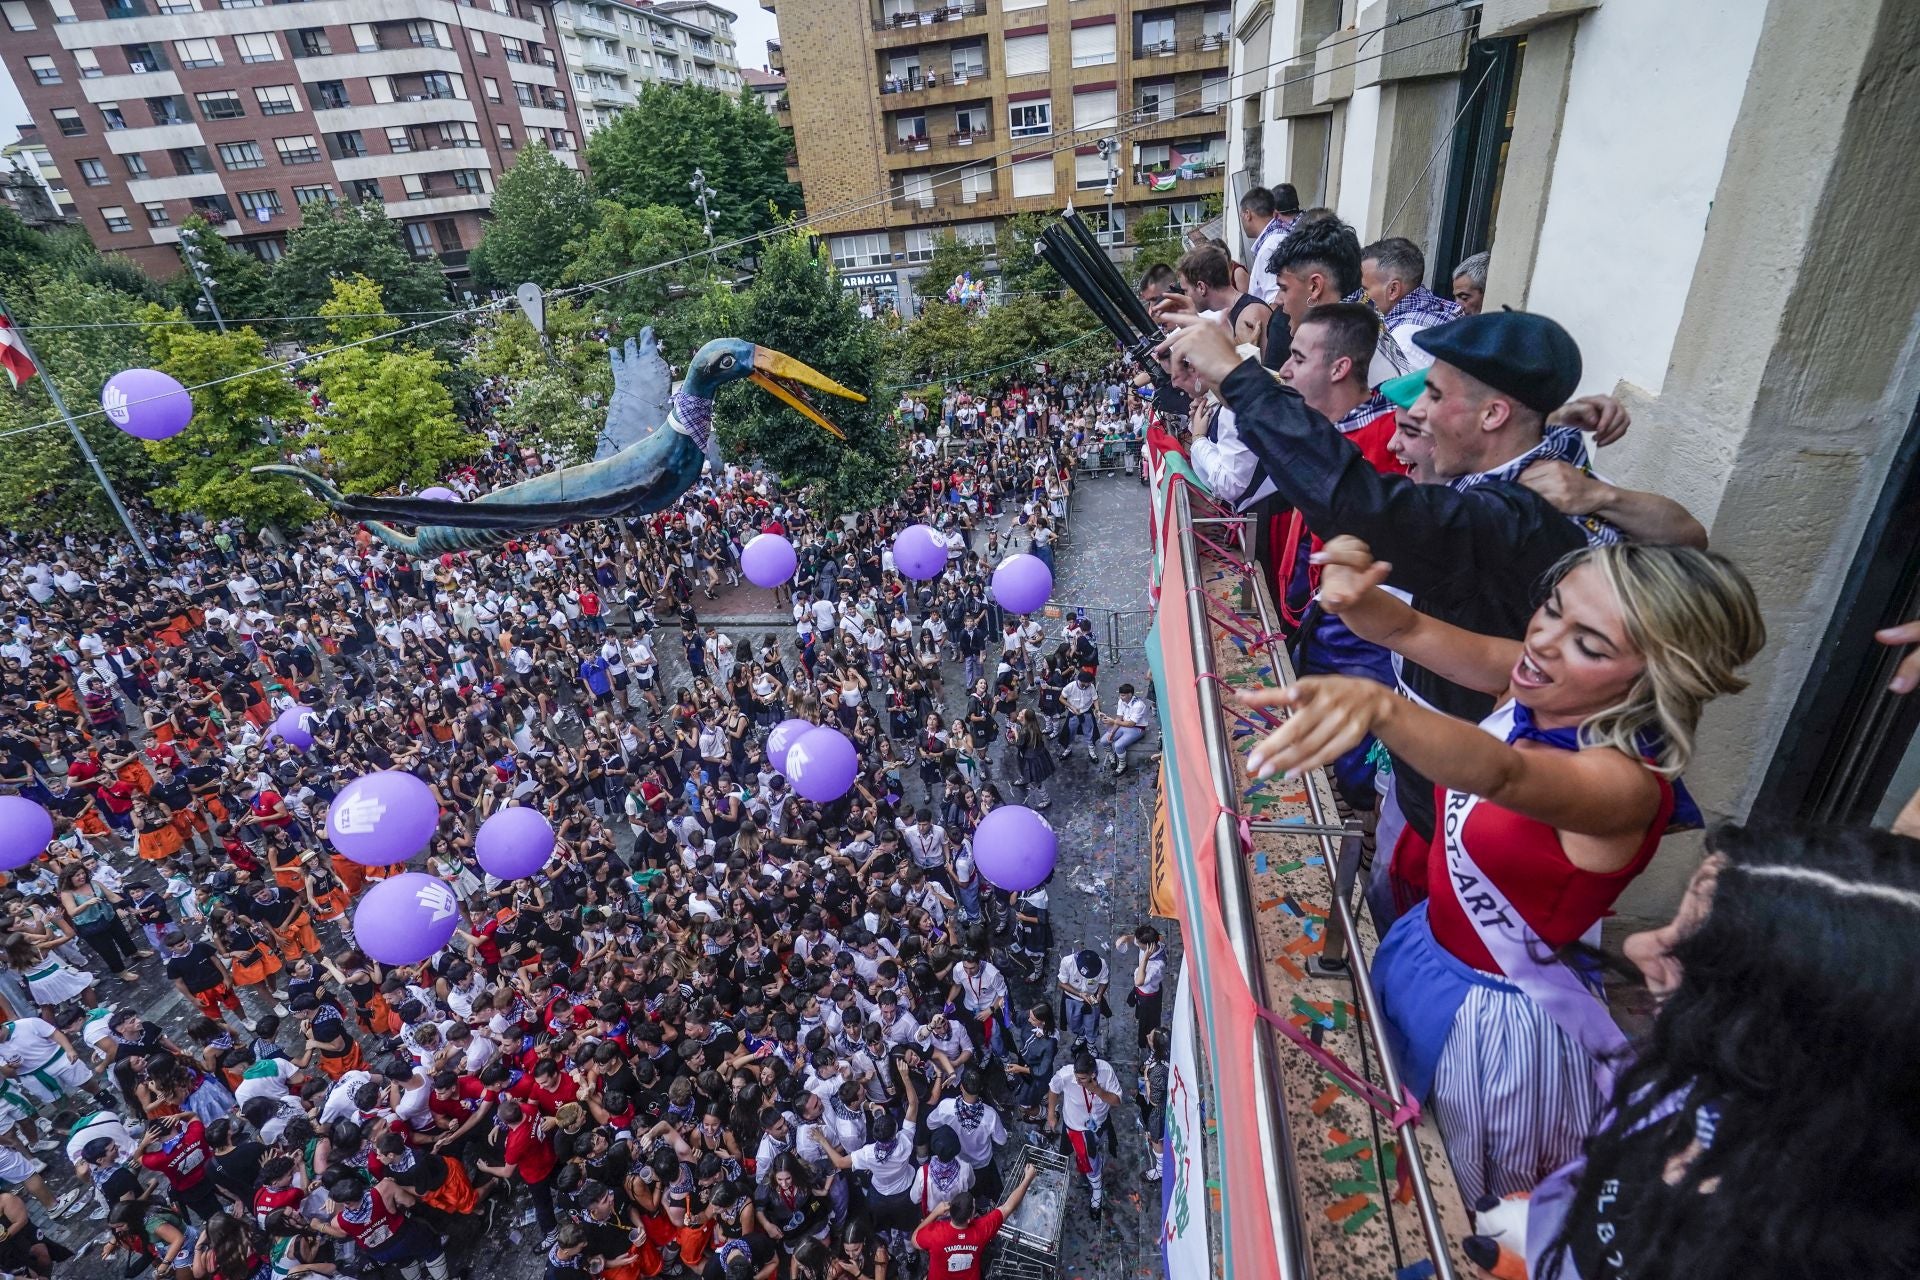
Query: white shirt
[
  {"x": 892, "y": 1170},
  {"x": 976, "y": 1143},
  {"x": 1081, "y": 1109},
  {"x": 982, "y": 987},
  {"x": 1079, "y": 698},
  {"x": 1225, "y": 464},
  {"x": 1080, "y": 985},
  {"x": 1132, "y": 711}
]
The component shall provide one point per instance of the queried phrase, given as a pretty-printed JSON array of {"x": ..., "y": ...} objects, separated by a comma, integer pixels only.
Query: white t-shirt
[
  {"x": 892, "y": 1169},
  {"x": 1081, "y": 1108}
]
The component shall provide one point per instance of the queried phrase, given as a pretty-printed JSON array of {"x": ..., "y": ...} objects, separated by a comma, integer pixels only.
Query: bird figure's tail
[{"x": 324, "y": 489}]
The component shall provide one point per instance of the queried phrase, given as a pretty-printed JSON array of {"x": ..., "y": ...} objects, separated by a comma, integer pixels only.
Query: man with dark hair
[
  {"x": 955, "y": 1240},
  {"x": 1157, "y": 282},
  {"x": 1207, "y": 275},
  {"x": 1318, "y": 261},
  {"x": 1390, "y": 272},
  {"x": 1266, "y": 217}
]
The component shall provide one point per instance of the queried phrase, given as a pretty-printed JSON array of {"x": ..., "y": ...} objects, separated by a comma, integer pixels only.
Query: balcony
[
  {"x": 585, "y": 21},
  {"x": 702, "y": 51},
  {"x": 610, "y": 96},
  {"x": 598, "y": 59},
  {"x": 948, "y": 196},
  {"x": 924, "y": 88},
  {"x": 783, "y": 112},
  {"x": 776, "y": 59},
  {"x": 931, "y": 15},
  {"x": 945, "y": 22}
]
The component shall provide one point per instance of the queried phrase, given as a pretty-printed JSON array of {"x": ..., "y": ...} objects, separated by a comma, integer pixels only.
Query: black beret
[{"x": 1526, "y": 356}]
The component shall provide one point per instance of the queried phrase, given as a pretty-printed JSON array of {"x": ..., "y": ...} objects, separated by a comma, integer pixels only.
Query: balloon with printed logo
[
  {"x": 1022, "y": 583},
  {"x": 406, "y": 918},
  {"x": 440, "y": 493},
  {"x": 382, "y": 818},
  {"x": 822, "y": 764},
  {"x": 1015, "y": 848},
  {"x": 146, "y": 403},
  {"x": 26, "y": 830},
  {"x": 514, "y": 843},
  {"x": 919, "y": 553},
  {"x": 784, "y": 735},
  {"x": 768, "y": 560},
  {"x": 292, "y": 727}
]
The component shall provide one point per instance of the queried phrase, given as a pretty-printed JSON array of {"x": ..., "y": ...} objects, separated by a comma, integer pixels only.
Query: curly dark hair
[
  {"x": 1328, "y": 244},
  {"x": 1788, "y": 1047}
]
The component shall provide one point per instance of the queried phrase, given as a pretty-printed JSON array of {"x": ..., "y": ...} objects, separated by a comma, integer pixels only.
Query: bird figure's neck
[{"x": 692, "y": 416}]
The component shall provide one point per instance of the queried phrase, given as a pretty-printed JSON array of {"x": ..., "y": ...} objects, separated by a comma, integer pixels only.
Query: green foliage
[
  {"x": 935, "y": 345},
  {"x": 336, "y": 241},
  {"x": 538, "y": 207},
  {"x": 238, "y": 280},
  {"x": 389, "y": 417},
  {"x": 647, "y": 157},
  {"x": 796, "y": 305},
  {"x": 1021, "y": 269},
  {"x": 235, "y": 425},
  {"x": 1155, "y": 241},
  {"x": 557, "y": 391},
  {"x": 624, "y": 238},
  {"x": 710, "y": 310},
  {"x": 950, "y": 258},
  {"x": 45, "y": 485}
]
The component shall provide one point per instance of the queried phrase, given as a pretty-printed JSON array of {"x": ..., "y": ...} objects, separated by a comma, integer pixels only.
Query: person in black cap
[{"x": 1470, "y": 542}]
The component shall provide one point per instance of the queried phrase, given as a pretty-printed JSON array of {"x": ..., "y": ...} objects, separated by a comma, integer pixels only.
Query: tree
[
  {"x": 538, "y": 208},
  {"x": 44, "y": 482},
  {"x": 237, "y": 280},
  {"x": 336, "y": 241},
  {"x": 235, "y": 426},
  {"x": 796, "y": 305},
  {"x": 647, "y": 157},
  {"x": 1021, "y": 269},
  {"x": 557, "y": 390},
  {"x": 936, "y": 345},
  {"x": 950, "y": 258},
  {"x": 1155, "y": 241},
  {"x": 388, "y": 418},
  {"x": 622, "y": 239}
]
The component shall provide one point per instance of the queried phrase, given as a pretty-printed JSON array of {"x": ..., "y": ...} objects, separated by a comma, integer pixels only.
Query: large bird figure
[{"x": 651, "y": 451}]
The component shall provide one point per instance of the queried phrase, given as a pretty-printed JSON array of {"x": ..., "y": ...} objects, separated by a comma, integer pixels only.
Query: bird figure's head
[{"x": 725, "y": 360}]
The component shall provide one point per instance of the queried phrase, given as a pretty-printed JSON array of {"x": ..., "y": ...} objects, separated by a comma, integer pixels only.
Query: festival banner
[
  {"x": 1161, "y": 894},
  {"x": 1183, "y": 1173}
]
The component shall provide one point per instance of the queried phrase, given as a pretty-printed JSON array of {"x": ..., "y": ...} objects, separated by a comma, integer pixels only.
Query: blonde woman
[{"x": 1548, "y": 810}]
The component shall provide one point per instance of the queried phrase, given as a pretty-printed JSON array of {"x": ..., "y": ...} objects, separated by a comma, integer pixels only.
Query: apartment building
[
  {"x": 28, "y": 154},
  {"x": 243, "y": 112},
  {"x": 914, "y": 117},
  {"x": 612, "y": 48}
]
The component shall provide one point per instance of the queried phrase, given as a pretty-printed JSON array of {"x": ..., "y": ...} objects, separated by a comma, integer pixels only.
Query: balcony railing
[
  {"x": 931, "y": 16},
  {"x": 912, "y": 142},
  {"x": 1156, "y": 49},
  {"x": 950, "y": 196},
  {"x": 967, "y": 137},
  {"x": 587, "y": 22},
  {"x": 919, "y": 80},
  {"x": 1193, "y": 169},
  {"x": 1212, "y": 40}
]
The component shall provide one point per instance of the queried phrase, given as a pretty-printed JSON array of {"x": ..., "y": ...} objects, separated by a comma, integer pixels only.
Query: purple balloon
[
  {"x": 768, "y": 560},
  {"x": 784, "y": 735},
  {"x": 291, "y": 728},
  {"x": 382, "y": 818},
  {"x": 25, "y": 831},
  {"x": 822, "y": 764},
  {"x": 1015, "y": 848},
  {"x": 514, "y": 843},
  {"x": 406, "y": 918},
  {"x": 440, "y": 493},
  {"x": 919, "y": 552},
  {"x": 146, "y": 403},
  {"x": 1022, "y": 583}
]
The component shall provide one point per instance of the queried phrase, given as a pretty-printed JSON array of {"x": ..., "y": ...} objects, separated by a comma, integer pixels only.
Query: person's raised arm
[
  {"x": 1350, "y": 582},
  {"x": 1012, "y": 1202},
  {"x": 1641, "y": 516}
]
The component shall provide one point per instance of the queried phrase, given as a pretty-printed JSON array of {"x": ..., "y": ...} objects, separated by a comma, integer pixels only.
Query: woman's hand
[
  {"x": 1326, "y": 716},
  {"x": 1348, "y": 572}
]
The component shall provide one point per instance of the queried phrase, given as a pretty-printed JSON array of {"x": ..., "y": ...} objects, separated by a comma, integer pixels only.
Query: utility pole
[
  {"x": 197, "y": 264},
  {"x": 702, "y": 194},
  {"x": 86, "y": 450},
  {"x": 1109, "y": 148}
]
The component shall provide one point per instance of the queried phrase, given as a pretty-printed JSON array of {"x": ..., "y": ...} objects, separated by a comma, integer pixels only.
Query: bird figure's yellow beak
[{"x": 784, "y": 378}]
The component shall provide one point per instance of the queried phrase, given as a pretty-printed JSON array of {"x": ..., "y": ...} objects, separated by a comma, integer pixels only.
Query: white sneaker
[{"x": 72, "y": 1200}]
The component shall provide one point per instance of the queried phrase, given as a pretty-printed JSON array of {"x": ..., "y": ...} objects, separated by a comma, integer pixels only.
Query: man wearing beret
[{"x": 1466, "y": 539}]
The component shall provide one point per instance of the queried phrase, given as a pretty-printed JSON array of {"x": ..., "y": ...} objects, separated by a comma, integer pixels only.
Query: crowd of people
[{"x": 726, "y": 1032}]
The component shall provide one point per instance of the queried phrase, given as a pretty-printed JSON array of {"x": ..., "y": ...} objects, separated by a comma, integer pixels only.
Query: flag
[
  {"x": 1174, "y": 158},
  {"x": 1161, "y": 181},
  {"x": 13, "y": 354}
]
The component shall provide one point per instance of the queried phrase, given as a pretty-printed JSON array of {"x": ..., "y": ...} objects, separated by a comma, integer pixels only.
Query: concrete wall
[{"x": 1353, "y": 192}]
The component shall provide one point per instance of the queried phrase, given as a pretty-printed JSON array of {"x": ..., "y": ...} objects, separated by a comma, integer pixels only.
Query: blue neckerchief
[{"x": 1686, "y": 814}]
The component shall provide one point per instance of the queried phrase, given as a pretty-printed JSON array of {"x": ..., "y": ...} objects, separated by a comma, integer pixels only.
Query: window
[
  {"x": 505, "y": 132},
  {"x": 1089, "y": 172},
  {"x": 89, "y": 63},
  {"x": 1153, "y": 101},
  {"x": 116, "y": 218},
  {"x": 1033, "y": 177},
  {"x": 436, "y": 85},
  {"x": 969, "y": 61},
  {"x": 969, "y": 124},
  {"x": 171, "y": 109},
  {"x": 69, "y": 122},
  {"x": 259, "y": 47},
  {"x": 136, "y": 165},
  {"x": 310, "y": 42},
  {"x": 144, "y": 58},
  {"x": 399, "y": 140},
  {"x": 241, "y": 4},
  {"x": 1185, "y": 215},
  {"x": 63, "y": 11},
  {"x": 1215, "y": 25},
  {"x": 220, "y": 104},
  {"x": 870, "y": 250},
  {"x": 917, "y": 189},
  {"x": 298, "y": 150},
  {"x": 197, "y": 53},
  {"x": 919, "y": 244},
  {"x": 1153, "y": 36},
  {"x": 364, "y": 39},
  {"x": 426, "y": 34},
  {"x": 977, "y": 234},
  {"x": 1030, "y": 119},
  {"x": 459, "y": 133},
  {"x": 492, "y": 87},
  {"x": 93, "y": 173},
  {"x": 176, "y": 6},
  {"x": 277, "y": 100},
  {"x": 110, "y": 115},
  {"x": 523, "y": 94},
  {"x": 976, "y": 181},
  {"x": 1010, "y": 6},
  {"x": 512, "y": 49},
  {"x": 1093, "y": 46},
  {"x": 188, "y": 161},
  {"x": 157, "y": 215},
  {"x": 447, "y": 232},
  {"x": 477, "y": 41},
  {"x": 1213, "y": 93},
  {"x": 910, "y": 130},
  {"x": 242, "y": 155},
  {"x": 1095, "y": 109},
  {"x": 261, "y": 206},
  {"x": 215, "y": 208},
  {"x": 125, "y": 9},
  {"x": 419, "y": 240},
  {"x": 43, "y": 68},
  {"x": 328, "y": 95},
  {"x": 322, "y": 194},
  {"x": 364, "y": 189},
  {"x": 265, "y": 248},
  {"x": 1025, "y": 55},
  {"x": 15, "y": 12},
  {"x": 1109, "y": 236},
  {"x": 562, "y": 139},
  {"x": 346, "y": 145}
]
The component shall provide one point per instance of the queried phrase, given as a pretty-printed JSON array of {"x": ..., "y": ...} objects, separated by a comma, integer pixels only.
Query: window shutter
[
  {"x": 1096, "y": 110},
  {"x": 1089, "y": 171},
  {"x": 1033, "y": 177},
  {"x": 1026, "y": 55},
  {"x": 1093, "y": 46}
]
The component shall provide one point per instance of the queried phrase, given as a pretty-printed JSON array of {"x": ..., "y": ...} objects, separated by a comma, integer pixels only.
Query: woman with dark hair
[{"x": 1771, "y": 1113}]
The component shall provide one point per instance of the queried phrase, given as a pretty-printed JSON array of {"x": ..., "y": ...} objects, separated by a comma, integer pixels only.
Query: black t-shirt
[{"x": 196, "y": 967}]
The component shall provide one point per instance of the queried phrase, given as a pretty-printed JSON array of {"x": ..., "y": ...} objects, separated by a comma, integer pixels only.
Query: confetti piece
[
  {"x": 1293, "y": 970},
  {"x": 1269, "y": 905},
  {"x": 1259, "y": 864},
  {"x": 1317, "y": 860},
  {"x": 1359, "y": 1148},
  {"x": 1360, "y": 1219},
  {"x": 1355, "y": 1186},
  {"x": 1328, "y": 1096},
  {"x": 1288, "y": 868},
  {"x": 1347, "y": 1207}
]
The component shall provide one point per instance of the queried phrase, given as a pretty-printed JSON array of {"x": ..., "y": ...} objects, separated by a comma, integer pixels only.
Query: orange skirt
[
  {"x": 161, "y": 842},
  {"x": 456, "y": 1195},
  {"x": 379, "y": 1017},
  {"x": 350, "y": 873},
  {"x": 290, "y": 878},
  {"x": 189, "y": 824},
  {"x": 91, "y": 823},
  {"x": 332, "y": 905},
  {"x": 694, "y": 1242},
  {"x": 252, "y": 973},
  {"x": 351, "y": 1060},
  {"x": 213, "y": 808},
  {"x": 135, "y": 775},
  {"x": 646, "y": 1264},
  {"x": 297, "y": 938}
]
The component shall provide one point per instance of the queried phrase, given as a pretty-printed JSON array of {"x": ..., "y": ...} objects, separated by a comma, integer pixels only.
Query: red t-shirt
[
  {"x": 954, "y": 1252},
  {"x": 531, "y": 1155},
  {"x": 187, "y": 1164}
]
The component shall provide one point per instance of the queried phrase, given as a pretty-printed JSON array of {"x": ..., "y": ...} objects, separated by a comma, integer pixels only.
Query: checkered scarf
[
  {"x": 1561, "y": 444},
  {"x": 1423, "y": 302}
]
